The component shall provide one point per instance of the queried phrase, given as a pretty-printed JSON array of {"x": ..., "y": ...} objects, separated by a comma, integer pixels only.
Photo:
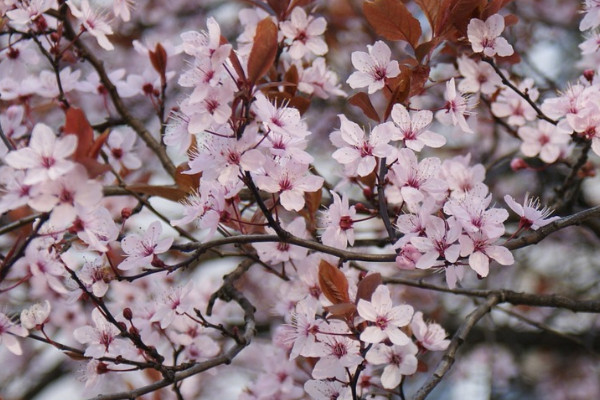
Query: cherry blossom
[
  {"x": 102, "y": 339},
  {"x": 304, "y": 32},
  {"x": 35, "y": 316},
  {"x": 480, "y": 250},
  {"x": 479, "y": 77},
  {"x": 284, "y": 120},
  {"x": 413, "y": 131},
  {"x": 142, "y": 250},
  {"x": 386, "y": 320},
  {"x": 339, "y": 219},
  {"x": 373, "y": 67},
  {"x": 120, "y": 144},
  {"x": 430, "y": 336},
  {"x": 45, "y": 157},
  {"x": 414, "y": 181},
  {"x": 531, "y": 215},
  {"x": 319, "y": 80},
  {"x": 591, "y": 19},
  {"x": 485, "y": 36},
  {"x": 327, "y": 390},
  {"x": 8, "y": 331},
  {"x": 547, "y": 140},
  {"x": 455, "y": 109},
  {"x": 512, "y": 105},
  {"x": 290, "y": 180},
  {"x": 440, "y": 241},
  {"x": 93, "y": 22},
  {"x": 360, "y": 157},
  {"x": 338, "y": 353},
  {"x": 400, "y": 360}
]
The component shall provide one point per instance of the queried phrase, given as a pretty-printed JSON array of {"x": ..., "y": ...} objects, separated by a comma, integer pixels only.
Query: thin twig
[{"x": 459, "y": 337}]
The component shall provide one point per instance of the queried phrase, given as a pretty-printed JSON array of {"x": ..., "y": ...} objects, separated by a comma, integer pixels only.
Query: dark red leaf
[
  {"x": 367, "y": 286},
  {"x": 362, "y": 101},
  {"x": 392, "y": 20},
  {"x": 264, "y": 50},
  {"x": 333, "y": 283}
]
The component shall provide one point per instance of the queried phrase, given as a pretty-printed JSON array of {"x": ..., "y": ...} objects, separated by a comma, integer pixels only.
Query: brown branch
[
  {"x": 509, "y": 296},
  {"x": 227, "y": 292},
  {"x": 459, "y": 337},
  {"x": 525, "y": 96},
  {"x": 537, "y": 236},
  {"x": 123, "y": 110}
]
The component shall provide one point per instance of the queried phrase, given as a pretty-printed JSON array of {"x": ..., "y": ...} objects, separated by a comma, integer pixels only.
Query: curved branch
[{"x": 459, "y": 337}]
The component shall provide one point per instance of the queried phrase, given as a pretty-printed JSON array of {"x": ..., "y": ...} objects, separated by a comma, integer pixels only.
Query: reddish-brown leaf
[
  {"x": 263, "y": 51},
  {"x": 431, "y": 9},
  {"x": 418, "y": 79},
  {"x": 462, "y": 12},
  {"x": 235, "y": 62},
  {"x": 186, "y": 182},
  {"x": 87, "y": 148},
  {"x": 510, "y": 20},
  {"x": 401, "y": 88},
  {"x": 300, "y": 103},
  {"x": 98, "y": 143},
  {"x": 279, "y": 6},
  {"x": 333, "y": 283},
  {"x": 77, "y": 124},
  {"x": 158, "y": 58},
  {"x": 367, "y": 286},
  {"x": 494, "y": 6},
  {"x": 291, "y": 76},
  {"x": 421, "y": 366},
  {"x": 392, "y": 20},
  {"x": 341, "y": 310},
  {"x": 362, "y": 101},
  {"x": 424, "y": 49}
]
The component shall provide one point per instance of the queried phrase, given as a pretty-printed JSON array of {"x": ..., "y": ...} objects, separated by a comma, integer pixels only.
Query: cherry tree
[{"x": 293, "y": 199}]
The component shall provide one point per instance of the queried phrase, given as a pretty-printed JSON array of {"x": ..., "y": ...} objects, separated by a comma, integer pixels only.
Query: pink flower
[
  {"x": 398, "y": 361},
  {"x": 319, "y": 80},
  {"x": 414, "y": 181},
  {"x": 430, "y": 336},
  {"x": 284, "y": 120},
  {"x": 479, "y": 76},
  {"x": 120, "y": 149},
  {"x": 207, "y": 44},
  {"x": 101, "y": 340},
  {"x": 440, "y": 241},
  {"x": 373, "y": 68},
  {"x": 592, "y": 15},
  {"x": 414, "y": 131},
  {"x": 305, "y": 33},
  {"x": 386, "y": 320},
  {"x": 338, "y": 352},
  {"x": 547, "y": 140},
  {"x": 141, "y": 250},
  {"x": 360, "y": 156},
  {"x": 480, "y": 250},
  {"x": 510, "y": 104},
  {"x": 45, "y": 157},
  {"x": 290, "y": 179},
  {"x": 485, "y": 36},
  {"x": 531, "y": 215},
  {"x": 8, "y": 331},
  {"x": 93, "y": 22},
  {"x": 35, "y": 316},
  {"x": 327, "y": 390},
  {"x": 339, "y": 219},
  {"x": 455, "y": 109}
]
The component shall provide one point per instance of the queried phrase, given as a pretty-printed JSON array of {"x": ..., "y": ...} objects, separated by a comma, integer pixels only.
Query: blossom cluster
[{"x": 278, "y": 196}]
